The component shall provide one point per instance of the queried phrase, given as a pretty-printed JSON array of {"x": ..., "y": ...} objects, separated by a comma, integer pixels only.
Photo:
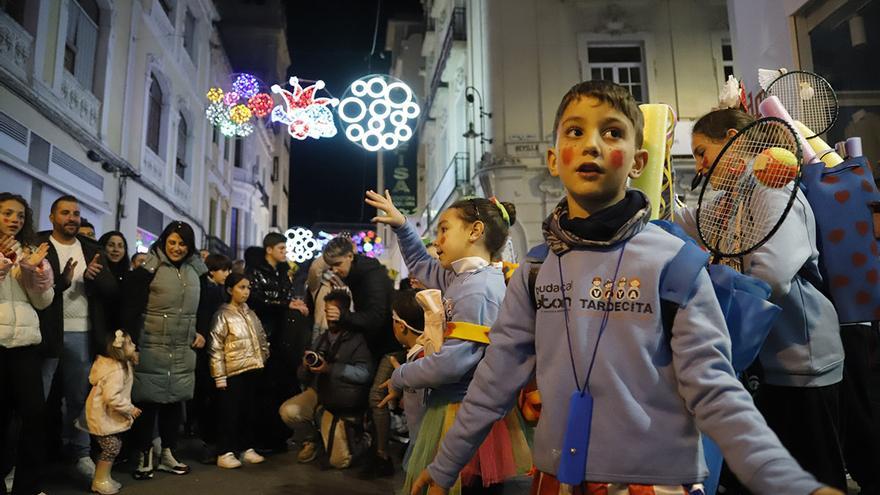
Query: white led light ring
[
  {"x": 403, "y": 133},
  {"x": 384, "y": 104},
  {"x": 377, "y": 81},
  {"x": 354, "y": 132},
  {"x": 398, "y": 118},
  {"x": 411, "y": 110},
  {"x": 348, "y": 118},
  {"x": 404, "y": 88},
  {"x": 372, "y": 134},
  {"x": 359, "y": 88},
  {"x": 376, "y": 124},
  {"x": 389, "y": 141}
]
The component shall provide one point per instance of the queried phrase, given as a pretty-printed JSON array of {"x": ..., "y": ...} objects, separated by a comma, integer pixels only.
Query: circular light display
[
  {"x": 302, "y": 244},
  {"x": 376, "y": 112}
]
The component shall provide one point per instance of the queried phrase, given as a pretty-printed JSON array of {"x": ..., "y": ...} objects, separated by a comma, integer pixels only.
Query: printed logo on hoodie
[{"x": 623, "y": 294}]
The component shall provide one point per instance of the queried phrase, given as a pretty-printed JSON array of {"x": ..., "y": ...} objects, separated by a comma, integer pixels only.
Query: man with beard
[{"x": 73, "y": 327}]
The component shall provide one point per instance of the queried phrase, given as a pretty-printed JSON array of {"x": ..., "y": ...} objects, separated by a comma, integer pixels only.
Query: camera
[{"x": 313, "y": 359}]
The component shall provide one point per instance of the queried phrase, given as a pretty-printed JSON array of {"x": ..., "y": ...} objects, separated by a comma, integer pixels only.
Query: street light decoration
[
  {"x": 301, "y": 245},
  {"x": 233, "y": 110},
  {"x": 368, "y": 243},
  {"x": 246, "y": 85},
  {"x": 304, "y": 115},
  {"x": 260, "y": 104},
  {"x": 215, "y": 95},
  {"x": 377, "y": 112}
]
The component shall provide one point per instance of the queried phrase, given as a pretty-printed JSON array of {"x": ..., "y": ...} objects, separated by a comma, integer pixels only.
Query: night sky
[{"x": 331, "y": 40}]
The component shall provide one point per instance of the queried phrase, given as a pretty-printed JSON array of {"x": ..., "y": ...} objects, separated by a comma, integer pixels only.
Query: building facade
[{"x": 105, "y": 100}]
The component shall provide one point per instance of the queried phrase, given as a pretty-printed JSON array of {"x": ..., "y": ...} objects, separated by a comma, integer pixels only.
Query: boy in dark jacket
[
  {"x": 338, "y": 372},
  {"x": 201, "y": 409}
]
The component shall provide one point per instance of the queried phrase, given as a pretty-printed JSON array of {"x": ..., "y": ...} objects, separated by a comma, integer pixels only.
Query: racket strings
[
  {"x": 748, "y": 188},
  {"x": 808, "y": 98}
]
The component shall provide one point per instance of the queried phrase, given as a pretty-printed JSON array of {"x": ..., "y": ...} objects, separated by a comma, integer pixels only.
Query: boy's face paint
[
  {"x": 616, "y": 158},
  {"x": 595, "y": 153},
  {"x": 567, "y": 154}
]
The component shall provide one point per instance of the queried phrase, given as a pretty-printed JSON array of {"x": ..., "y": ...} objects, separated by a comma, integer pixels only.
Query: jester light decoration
[
  {"x": 232, "y": 111},
  {"x": 376, "y": 112},
  {"x": 305, "y": 115}
]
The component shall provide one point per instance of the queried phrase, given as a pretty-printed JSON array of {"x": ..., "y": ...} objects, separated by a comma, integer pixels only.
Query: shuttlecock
[
  {"x": 729, "y": 96},
  {"x": 807, "y": 92},
  {"x": 767, "y": 76}
]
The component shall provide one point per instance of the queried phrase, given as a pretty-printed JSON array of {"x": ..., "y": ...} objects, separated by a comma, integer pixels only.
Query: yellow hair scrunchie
[{"x": 504, "y": 214}]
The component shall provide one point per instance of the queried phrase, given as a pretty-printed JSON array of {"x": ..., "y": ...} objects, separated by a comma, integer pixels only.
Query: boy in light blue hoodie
[{"x": 623, "y": 401}]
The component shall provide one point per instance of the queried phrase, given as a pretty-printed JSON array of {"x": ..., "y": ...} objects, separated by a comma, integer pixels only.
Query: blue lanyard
[{"x": 586, "y": 385}]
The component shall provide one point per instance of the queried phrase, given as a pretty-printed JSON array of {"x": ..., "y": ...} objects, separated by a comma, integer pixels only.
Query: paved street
[{"x": 280, "y": 474}]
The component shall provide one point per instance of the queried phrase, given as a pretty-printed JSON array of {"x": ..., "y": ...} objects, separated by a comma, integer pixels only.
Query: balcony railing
[
  {"x": 182, "y": 191},
  {"x": 456, "y": 175},
  {"x": 16, "y": 46},
  {"x": 79, "y": 103},
  {"x": 153, "y": 168}
]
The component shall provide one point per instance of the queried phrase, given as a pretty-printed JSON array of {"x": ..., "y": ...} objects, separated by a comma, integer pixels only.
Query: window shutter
[{"x": 86, "y": 49}]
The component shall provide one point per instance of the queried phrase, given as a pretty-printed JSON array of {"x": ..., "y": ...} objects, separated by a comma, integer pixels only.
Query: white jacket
[
  {"x": 108, "y": 407},
  {"x": 22, "y": 292}
]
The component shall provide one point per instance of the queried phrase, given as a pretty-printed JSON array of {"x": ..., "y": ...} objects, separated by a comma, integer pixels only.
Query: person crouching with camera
[
  {"x": 238, "y": 353},
  {"x": 337, "y": 372}
]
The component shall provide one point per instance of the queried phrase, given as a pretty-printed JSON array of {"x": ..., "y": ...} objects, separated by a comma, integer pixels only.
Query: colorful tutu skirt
[{"x": 502, "y": 455}]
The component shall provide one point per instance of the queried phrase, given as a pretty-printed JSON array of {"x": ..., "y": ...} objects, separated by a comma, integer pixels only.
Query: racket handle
[
  {"x": 772, "y": 107},
  {"x": 854, "y": 147},
  {"x": 826, "y": 153},
  {"x": 840, "y": 148}
]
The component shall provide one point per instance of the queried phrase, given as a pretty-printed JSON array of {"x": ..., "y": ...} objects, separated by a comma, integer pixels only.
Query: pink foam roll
[{"x": 772, "y": 107}]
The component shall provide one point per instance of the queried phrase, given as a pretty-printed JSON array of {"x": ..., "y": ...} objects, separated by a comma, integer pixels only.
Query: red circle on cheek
[
  {"x": 616, "y": 158},
  {"x": 567, "y": 154}
]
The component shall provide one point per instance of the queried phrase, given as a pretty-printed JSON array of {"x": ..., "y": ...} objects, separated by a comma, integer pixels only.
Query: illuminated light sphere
[
  {"x": 228, "y": 128},
  {"x": 231, "y": 98},
  {"x": 240, "y": 114},
  {"x": 216, "y": 113},
  {"x": 245, "y": 129},
  {"x": 215, "y": 95},
  {"x": 377, "y": 112},
  {"x": 246, "y": 85},
  {"x": 260, "y": 104}
]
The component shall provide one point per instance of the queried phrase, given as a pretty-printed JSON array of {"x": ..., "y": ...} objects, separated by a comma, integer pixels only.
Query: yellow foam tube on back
[
  {"x": 656, "y": 179},
  {"x": 825, "y": 153}
]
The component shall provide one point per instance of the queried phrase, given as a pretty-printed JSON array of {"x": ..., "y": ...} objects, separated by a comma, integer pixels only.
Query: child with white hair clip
[{"x": 109, "y": 410}]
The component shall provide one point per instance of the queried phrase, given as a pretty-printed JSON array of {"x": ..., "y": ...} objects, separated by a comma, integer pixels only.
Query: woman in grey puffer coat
[{"x": 160, "y": 315}]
